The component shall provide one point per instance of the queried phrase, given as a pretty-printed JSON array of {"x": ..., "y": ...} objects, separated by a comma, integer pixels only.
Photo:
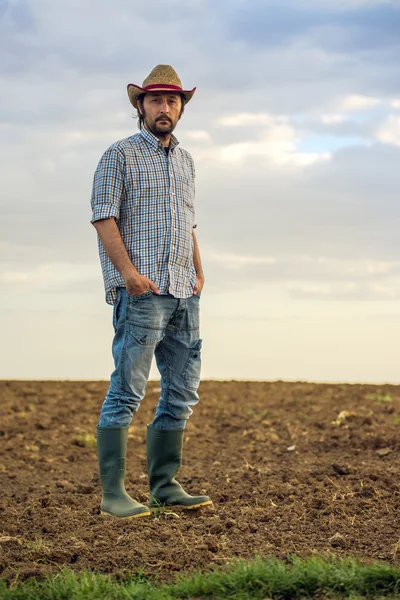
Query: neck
[{"x": 165, "y": 138}]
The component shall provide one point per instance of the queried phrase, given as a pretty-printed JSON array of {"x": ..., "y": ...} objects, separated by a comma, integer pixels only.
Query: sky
[{"x": 295, "y": 133}]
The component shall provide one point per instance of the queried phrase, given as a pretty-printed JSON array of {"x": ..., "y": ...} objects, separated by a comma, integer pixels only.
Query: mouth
[{"x": 163, "y": 120}]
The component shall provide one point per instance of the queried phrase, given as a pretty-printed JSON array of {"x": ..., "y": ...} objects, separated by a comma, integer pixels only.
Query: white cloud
[
  {"x": 55, "y": 277},
  {"x": 356, "y": 103},
  {"x": 84, "y": 136},
  {"x": 198, "y": 136},
  {"x": 14, "y": 277},
  {"x": 345, "y": 291},
  {"x": 342, "y": 5},
  {"x": 276, "y": 142},
  {"x": 321, "y": 290},
  {"x": 306, "y": 268},
  {"x": 244, "y": 119},
  {"x": 332, "y": 119},
  {"x": 386, "y": 291},
  {"x": 271, "y": 150},
  {"x": 236, "y": 261},
  {"x": 389, "y": 131}
]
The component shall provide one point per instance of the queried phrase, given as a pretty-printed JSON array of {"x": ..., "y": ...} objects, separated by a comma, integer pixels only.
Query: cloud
[
  {"x": 389, "y": 131},
  {"x": 333, "y": 118},
  {"x": 341, "y": 27},
  {"x": 272, "y": 150},
  {"x": 300, "y": 268},
  {"x": 235, "y": 261},
  {"x": 306, "y": 267},
  {"x": 339, "y": 209},
  {"x": 51, "y": 278},
  {"x": 198, "y": 136},
  {"x": 349, "y": 5},
  {"x": 356, "y": 103},
  {"x": 304, "y": 277},
  {"x": 349, "y": 291},
  {"x": 277, "y": 142},
  {"x": 257, "y": 119}
]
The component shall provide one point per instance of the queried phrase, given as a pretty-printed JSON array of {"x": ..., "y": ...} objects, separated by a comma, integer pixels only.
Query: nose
[{"x": 164, "y": 107}]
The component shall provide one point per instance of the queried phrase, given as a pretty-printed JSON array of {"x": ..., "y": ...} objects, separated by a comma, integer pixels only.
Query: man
[{"x": 142, "y": 202}]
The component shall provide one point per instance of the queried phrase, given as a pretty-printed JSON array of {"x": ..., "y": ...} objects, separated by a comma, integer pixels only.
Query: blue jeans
[{"x": 145, "y": 326}]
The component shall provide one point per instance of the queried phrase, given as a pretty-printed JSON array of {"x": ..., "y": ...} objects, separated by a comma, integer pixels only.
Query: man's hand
[
  {"x": 199, "y": 284},
  {"x": 139, "y": 284}
]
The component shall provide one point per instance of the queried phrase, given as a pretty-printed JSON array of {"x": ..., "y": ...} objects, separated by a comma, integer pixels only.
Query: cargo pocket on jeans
[
  {"x": 146, "y": 336},
  {"x": 191, "y": 373}
]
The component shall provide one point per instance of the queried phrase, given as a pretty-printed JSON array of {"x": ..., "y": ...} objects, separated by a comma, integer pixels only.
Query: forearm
[
  {"x": 196, "y": 257},
  {"x": 110, "y": 237}
]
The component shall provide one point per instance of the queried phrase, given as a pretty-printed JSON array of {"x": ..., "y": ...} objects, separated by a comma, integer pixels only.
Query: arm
[
  {"x": 197, "y": 265},
  {"x": 110, "y": 237}
]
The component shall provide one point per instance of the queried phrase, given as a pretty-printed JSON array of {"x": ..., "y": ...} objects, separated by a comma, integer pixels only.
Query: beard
[
  {"x": 158, "y": 128},
  {"x": 166, "y": 126}
]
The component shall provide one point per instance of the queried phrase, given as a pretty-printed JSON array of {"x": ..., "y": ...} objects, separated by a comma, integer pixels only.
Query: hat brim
[{"x": 134, "y": 91}]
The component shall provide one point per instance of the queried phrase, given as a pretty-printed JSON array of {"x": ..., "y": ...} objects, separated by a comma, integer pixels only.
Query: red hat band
[{"x": 164, "y": 86}]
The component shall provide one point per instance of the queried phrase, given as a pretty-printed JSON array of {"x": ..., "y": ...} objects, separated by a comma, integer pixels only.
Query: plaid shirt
[{"x": 150, "y": 192}]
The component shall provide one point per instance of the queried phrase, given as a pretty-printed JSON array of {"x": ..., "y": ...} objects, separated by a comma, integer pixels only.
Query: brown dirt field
[{"x": 287, "y": 475}]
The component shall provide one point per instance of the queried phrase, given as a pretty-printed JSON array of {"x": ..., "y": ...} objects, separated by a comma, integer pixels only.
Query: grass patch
[
  {"x": 160, "y": 509},
  {"x": 38, "y": 545},
  {"x": 380, "y": 397},
  {"x": 85, "y": 440},
  {"x": 255, "y": 580}
]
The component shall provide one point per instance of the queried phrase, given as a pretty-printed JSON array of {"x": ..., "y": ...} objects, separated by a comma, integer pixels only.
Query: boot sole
[
  {"x": 191, "y": 507},
  {"x": 142, "y": 514},
  {"x": 207, "y": 503}
]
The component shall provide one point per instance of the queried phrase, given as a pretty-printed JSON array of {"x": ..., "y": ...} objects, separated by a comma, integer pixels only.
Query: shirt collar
[{"x": 155, "y": 142}]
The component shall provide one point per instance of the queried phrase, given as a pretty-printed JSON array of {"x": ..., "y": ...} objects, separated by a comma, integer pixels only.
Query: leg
[
  {"x": 178, "y": 359},
  {"x": 137, "y": 332}
]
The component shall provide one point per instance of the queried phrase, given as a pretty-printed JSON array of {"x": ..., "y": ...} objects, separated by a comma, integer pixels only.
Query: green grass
[
  {"x": 257, "y": 580},
  {"x": 160, "y": 509},
  {"x": 380, "y": 397},
  {"x": 85, "y": 440}
]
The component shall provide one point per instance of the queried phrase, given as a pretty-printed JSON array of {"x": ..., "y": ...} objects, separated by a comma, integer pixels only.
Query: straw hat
[{"x": 163, "y": 78}]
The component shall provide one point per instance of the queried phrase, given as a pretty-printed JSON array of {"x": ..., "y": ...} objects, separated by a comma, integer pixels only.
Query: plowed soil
[{"x": 292, "y": 468}]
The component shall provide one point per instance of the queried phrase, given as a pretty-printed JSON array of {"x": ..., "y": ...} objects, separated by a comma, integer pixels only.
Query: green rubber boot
[
  {"x": 164, "y": 457},
  {"x": 111, "y": 449}
]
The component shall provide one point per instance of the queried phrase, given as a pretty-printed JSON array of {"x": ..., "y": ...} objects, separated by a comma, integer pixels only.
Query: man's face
[{"x": 161, "y": 112}]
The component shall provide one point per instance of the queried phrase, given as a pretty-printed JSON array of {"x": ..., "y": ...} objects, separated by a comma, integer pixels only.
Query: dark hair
[{"x": 140, "y": 117}]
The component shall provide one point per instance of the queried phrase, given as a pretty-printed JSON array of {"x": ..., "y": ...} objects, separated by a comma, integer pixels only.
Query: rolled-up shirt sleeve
[{"x": 108, "y": 185}]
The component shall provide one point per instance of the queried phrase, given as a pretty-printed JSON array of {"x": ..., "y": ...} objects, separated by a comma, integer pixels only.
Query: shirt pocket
[
  {"x": 185, "y": 189},
  {"x": 144, "y": 182}
]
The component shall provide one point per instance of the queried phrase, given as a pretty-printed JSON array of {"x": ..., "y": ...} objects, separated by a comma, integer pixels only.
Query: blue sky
[{"x": 295, "y": 131}]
